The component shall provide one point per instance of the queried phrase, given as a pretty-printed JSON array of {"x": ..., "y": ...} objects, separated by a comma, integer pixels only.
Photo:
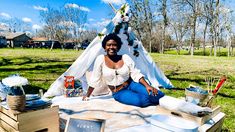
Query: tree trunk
[
  {"x": 12, "y": 44},
  {"x": 232, "y": 54},
  {"x": 150, "y": 45},
  {"x": 178, "y": 47},
  {"x": 216, "y": 27},
  {"x": 165, "y": 22},
  {"x": 52, "y": 45},
  {"x": 215, "y": 44},
  {"x": 212, "y": 45},
  {"x": 204, "y": 40},
  {"x": 229, "y": 44},
  {"x": 163, "y": 40},
  {"x": 219, "y": 51},
  {"x": 193, "y": 41}
]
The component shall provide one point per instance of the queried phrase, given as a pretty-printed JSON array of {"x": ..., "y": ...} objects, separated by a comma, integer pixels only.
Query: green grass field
[{"x": 42, "y": 66}]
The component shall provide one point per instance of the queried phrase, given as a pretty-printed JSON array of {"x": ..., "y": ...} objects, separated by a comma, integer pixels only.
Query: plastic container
[{"x": 196, "y": 95}]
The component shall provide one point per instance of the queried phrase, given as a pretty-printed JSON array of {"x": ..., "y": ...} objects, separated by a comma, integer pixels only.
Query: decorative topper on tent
[
  {"x": 100, "y": 35},
  {"x": 123, "y": 30},
  {"x": 122, "y": 9}
]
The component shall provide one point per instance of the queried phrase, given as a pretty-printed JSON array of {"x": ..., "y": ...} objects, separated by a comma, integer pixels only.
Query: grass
[
  {"x": 199, "y": 52},
  {"x": 42, "y": 66}
]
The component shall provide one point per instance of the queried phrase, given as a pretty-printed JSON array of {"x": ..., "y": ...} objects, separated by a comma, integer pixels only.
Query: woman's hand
[
  {"x": 85, "y": 98},
  {"x": 89, "y": 91},
  {"x": 148, "y": 87},
  {"x": 151, "y": 89}
]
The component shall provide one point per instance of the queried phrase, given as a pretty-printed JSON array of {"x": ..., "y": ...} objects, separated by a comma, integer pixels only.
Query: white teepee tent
[{"x": 131, "y": 46}]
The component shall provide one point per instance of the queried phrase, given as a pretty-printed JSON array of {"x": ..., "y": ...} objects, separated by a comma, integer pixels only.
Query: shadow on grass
[
  {"x": 5, "y": 62},
  {"x": 36, "y": 68},
  {"x": 28, "y": 60},
  {"x": 198, "y": 81},
  {"x": 225, "y": 95},
  {"x": 205, "y": 72}
]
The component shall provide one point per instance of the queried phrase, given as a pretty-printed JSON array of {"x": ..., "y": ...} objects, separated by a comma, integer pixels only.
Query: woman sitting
[{"x": 127, "y": 84}]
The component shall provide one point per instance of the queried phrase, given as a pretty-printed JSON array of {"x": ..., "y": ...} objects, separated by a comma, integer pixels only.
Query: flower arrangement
[
  {"x": 14, "y": 84},
  {"x": 15, "y": 92},
  {"x": 15, "y": 80}
]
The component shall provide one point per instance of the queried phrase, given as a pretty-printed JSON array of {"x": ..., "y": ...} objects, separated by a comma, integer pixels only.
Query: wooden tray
[{"x": 199, "y": 120}]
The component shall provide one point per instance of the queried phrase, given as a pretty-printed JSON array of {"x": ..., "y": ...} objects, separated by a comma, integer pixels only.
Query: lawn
[{"x": 42, "y": 66}]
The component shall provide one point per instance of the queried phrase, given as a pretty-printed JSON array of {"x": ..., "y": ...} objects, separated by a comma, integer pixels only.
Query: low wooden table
[{"x": 46, "y": 119}]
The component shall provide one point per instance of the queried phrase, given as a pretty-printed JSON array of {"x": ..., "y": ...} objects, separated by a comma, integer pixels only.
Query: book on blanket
[{"x": 84, "y": 125}]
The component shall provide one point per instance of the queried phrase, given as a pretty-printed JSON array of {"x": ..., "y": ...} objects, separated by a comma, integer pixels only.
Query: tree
[
  {"x": 51, "y": 18},
  {"x": 63, "y": 24},
  {"x": 179, "y": 23},
  {"x": 194, "y": 8},
  {"x": 206, "y": 19},
  {"x": 165, "y": 22},
  {"x": 77, "y": 20},
  {"x": 17, "y": 25},
  {"x": 143, "y": 20},
  {"x": 216, "y": 27}
]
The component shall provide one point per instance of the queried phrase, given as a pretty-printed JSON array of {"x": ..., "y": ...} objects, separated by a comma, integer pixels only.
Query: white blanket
[{"x": 119, "y": 117}]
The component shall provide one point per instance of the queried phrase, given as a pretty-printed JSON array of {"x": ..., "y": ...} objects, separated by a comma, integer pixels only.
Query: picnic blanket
[{"x": 119, "y": 117}]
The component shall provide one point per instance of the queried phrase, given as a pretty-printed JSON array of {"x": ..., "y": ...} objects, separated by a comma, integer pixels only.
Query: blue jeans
[{"x": 137, "y": 95}]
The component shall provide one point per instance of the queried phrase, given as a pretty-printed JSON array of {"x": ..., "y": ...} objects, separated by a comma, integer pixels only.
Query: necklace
[{"x": 116, "y": 73}]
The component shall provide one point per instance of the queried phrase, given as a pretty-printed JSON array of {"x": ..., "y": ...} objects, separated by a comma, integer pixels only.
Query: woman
[{"x": 127, "y": 84}]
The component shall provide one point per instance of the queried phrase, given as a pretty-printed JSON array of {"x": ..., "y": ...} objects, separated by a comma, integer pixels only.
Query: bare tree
[
  {"x": 206, "y": 19},
  {"x": 194, "y": 8},
  {"x": 63, "y": 24},
  {"x": 17, "y": 25},
  {"x": 216, "y": 27},
  {"x": 143, "y": 20},
  {"x": 165, "y": 22},
  {"x": 226, "y": 25},
  {"x": 232, "y": 44},
  {"x": 51, "y": 18},
  {"x": 137, "y": 18},
  {"x": 179, "y": 23},
  {"x": 88, "y": 35},
  {"x": 77, "y": 20}
]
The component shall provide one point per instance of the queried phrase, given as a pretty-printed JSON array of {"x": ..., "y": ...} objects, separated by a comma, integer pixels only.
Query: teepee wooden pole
[{"x": 115, "y": 11}]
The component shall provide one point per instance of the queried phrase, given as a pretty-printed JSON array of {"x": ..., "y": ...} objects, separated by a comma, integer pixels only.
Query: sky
[{"x": 99, "y": 12}]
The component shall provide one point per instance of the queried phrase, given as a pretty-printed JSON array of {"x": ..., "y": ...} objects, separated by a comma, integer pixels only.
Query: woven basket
[{"x": 16, "y": 102}]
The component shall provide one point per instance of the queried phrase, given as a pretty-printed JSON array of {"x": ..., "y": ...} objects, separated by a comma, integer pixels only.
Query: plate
[
  {"x": 34, "y": 104},
  {"x": 32, "y": 97}
]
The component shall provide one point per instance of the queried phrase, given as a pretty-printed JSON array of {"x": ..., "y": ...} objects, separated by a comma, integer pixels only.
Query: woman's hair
[{"x": 112, "y": 36}]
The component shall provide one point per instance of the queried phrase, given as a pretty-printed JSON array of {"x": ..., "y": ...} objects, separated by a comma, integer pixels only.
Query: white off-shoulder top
[{"x": 114, "y": 77}]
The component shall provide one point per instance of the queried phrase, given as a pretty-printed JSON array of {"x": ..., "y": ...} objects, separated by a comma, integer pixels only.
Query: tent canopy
[{"x": 131, "y": 46}]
